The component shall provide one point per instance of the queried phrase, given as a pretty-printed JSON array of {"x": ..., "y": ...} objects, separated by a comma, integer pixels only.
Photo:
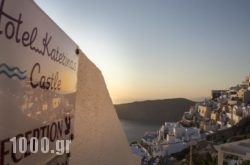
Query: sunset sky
[{"x": 155, "y": 49}]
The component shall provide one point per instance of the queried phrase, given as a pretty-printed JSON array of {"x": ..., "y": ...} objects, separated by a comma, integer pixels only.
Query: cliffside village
[{"x": 223, "y": 110}]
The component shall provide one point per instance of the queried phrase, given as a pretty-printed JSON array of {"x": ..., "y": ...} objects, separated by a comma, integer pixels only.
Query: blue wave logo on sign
[{"x": 12, "y": 72}]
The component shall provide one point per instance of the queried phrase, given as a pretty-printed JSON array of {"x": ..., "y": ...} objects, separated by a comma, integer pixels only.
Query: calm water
[{"x": 135, "y": 130}]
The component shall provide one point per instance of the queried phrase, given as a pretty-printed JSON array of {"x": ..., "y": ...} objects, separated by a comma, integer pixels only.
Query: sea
[{"x": 135, "y": 130}]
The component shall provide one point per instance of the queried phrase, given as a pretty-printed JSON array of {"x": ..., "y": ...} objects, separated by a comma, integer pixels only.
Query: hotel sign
[{"x": 38, "y": 77}]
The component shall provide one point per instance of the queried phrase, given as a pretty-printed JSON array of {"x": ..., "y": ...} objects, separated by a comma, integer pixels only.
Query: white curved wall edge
[{"x": 99, "y": 138}]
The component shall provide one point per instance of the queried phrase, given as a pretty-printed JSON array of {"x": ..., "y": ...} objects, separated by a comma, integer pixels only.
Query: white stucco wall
[{"x": 99, "y": 137}]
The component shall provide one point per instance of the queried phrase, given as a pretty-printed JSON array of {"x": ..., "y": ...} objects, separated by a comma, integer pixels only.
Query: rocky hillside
[{"x": 154, "y": 111}]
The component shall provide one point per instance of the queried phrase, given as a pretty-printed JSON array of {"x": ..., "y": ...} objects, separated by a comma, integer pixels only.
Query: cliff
[{"x": 154, "y": 111}]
